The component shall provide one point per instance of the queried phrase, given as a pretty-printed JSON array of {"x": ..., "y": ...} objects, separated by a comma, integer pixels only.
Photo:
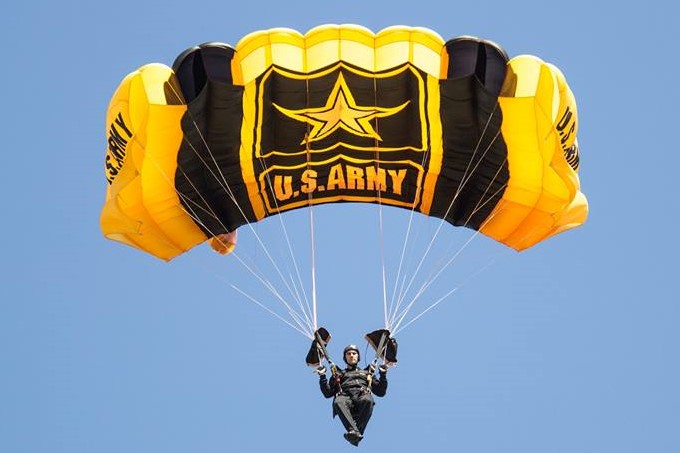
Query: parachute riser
[
  {"x": 379, "y": 351},
  {"x": 324, "y": 353}
]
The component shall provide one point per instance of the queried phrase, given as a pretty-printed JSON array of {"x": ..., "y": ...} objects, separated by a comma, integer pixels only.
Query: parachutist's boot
[
  {"x": 347, "y": 437},
  {"x": 353, "y": 437}
]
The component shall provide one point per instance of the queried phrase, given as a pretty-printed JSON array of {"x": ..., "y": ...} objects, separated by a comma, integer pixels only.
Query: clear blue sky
[{"x": 571, "y": 346}]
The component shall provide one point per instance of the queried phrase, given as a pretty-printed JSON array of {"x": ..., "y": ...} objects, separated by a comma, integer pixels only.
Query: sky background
[{"x": 569, "y": 346}]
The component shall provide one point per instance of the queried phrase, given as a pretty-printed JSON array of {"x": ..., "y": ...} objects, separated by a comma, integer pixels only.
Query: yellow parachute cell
[{"x": 142, "y": 208}]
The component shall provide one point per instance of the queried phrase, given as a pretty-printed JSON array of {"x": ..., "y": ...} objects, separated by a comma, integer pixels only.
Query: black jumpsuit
[{"x": 353, "y": 400}]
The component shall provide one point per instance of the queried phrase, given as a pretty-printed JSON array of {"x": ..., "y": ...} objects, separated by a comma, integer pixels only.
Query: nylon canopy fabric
[{"x": 232, "y": 135}]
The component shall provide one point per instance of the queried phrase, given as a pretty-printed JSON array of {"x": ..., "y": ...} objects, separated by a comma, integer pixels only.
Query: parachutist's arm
[
  {"x": 379, "y": 384},
  {"x": 327, "y": 389}
]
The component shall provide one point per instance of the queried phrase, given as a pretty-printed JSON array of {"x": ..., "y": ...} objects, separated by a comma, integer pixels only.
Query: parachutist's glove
[
  {"x": 320, "y": 370},
  {"x": 371, "y": 368},
  {"x": 383, "y": 368}
]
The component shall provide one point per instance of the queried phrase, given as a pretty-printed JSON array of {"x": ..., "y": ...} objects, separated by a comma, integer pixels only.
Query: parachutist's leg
[
  {"x": 343, "y": 407},
  {"x": 364, "y": 409}
]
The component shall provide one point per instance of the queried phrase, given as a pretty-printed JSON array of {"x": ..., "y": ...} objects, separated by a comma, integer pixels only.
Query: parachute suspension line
[
  {"x": 228, "y": 190},
  {"x": 308, "y": 310},
  {"x": 312, "y": 239},
  {"x": 381, "y": 232},
  {"x": 397, "y": 327},
  {"x": 479, "y": 271},
  {"x": 266, "y": 283},
  {"x": 401, "y": 259},
  {"x": 466, "y": 177},
  {"x": 479, "y": 205},
  {"x": 401, "y": 279},
  {"x": 295, "y": 316},
  {"x": 427, "y": 284},
  {"x": 306, "y": 334},
  {"x": 310, "y": 204},
  {"x": 302, "y": 323},
  {"x": 463, "y": 181},
  {"x": 407, "y": 236},
  {"x": 431, "y": 279},
  {"x": 401, "y": 291},
  {"x": 382, "y": 261},
  {"x": 441, "y": 299},
  {"x": 225, "y": 185}
]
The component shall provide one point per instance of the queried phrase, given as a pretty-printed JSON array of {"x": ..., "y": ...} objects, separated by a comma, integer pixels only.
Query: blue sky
[{"x": 569, "y": 346}]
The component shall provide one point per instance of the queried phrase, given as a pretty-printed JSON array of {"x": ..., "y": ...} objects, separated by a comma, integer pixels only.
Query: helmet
[{"x": 351, "y": 347}]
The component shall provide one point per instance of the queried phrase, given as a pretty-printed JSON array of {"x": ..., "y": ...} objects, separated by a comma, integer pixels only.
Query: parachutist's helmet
[{"x": 351, "y": 347}]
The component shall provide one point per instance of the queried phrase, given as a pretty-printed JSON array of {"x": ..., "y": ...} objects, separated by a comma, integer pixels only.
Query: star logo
[{"x": 340, "y": 112}]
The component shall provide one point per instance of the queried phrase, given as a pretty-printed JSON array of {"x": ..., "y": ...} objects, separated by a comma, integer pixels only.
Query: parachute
[{"x": 284, "y": 120}]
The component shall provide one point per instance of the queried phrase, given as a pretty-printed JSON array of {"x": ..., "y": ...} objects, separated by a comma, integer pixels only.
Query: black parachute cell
[
  {"x": 199, "y": 64},
  {"x": 469, "y": 111},
  {"x": 212, "y": 133},
  {"x": 483, "y": 58}
]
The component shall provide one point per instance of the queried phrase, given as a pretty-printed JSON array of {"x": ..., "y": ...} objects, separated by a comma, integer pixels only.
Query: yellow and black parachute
[{"x": 231, "y": 135}]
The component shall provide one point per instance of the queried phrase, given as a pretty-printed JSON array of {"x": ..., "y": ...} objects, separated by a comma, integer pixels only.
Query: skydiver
[{"x": 352, "y": 389}]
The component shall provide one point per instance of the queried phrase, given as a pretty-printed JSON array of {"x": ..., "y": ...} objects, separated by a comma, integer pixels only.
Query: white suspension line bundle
[
  {"x": 305, "y": 326},
  {"x": 397, "y": 316}
]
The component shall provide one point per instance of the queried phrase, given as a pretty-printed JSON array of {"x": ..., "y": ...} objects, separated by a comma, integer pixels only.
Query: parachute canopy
[{"x": 231, "y": 135}]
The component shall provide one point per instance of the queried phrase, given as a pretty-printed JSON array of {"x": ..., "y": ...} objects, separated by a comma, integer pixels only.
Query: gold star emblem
[{"x": 340, "y": 112}]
